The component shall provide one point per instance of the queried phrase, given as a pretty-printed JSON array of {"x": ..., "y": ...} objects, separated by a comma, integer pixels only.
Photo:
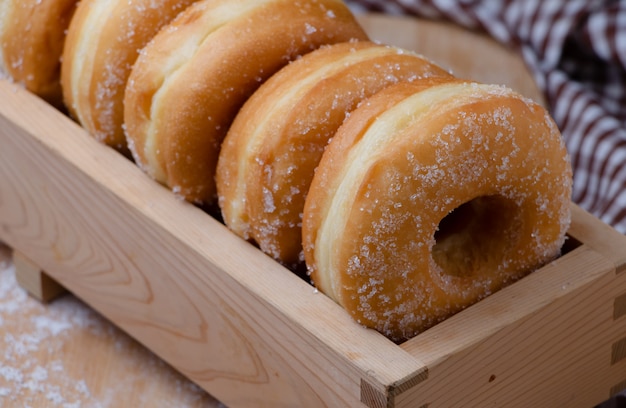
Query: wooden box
[{"x": 253, "y": 334}]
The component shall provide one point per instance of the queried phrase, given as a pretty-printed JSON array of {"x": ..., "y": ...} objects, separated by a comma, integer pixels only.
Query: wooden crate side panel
[
  {"x": 557, "y": 353},
  {"x": 208, "y": 303},
  {"x": 165, "y": 312}
]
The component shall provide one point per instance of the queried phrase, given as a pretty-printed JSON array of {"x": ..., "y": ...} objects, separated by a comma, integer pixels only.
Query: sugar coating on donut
[
  {"x": 479, "y": 153},
  {"x": 5, "y": 12},
  {"x": 98, "y": 12},
  {"x": 270, "y": 153},
  {"x": 183, "y": 115},
  {"x": 31, "y": 40},
  {"x": 104, "y": 43}
]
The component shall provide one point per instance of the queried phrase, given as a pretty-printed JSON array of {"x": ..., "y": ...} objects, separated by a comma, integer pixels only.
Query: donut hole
[{"x": 475, "y": 236}]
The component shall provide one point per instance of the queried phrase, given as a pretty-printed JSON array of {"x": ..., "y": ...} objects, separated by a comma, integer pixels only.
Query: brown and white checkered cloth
[{"x": 576, "y": 50}]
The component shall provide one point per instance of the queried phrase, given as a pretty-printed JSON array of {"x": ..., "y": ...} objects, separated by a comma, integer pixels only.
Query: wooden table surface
[{"x": 64, "y": 354}]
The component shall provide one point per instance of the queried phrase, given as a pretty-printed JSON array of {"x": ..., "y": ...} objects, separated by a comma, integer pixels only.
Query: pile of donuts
[{"x": 404, "y": 192}]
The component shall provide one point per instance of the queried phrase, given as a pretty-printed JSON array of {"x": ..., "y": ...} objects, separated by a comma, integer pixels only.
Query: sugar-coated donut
[
  {"x": 103, "y": 42},
  {"x": 272, "y": 148},
  {"x": 429, "y": 199},
  {"x": 32, "y": 34},
  {"x": 192, "y": 79}
]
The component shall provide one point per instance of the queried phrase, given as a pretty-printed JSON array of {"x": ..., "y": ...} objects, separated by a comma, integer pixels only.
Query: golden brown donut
[
  {"x": 272, "y": 148},
  {"x": 103, "y": 42},
  {"x": 192, "y": 79},
  {"x": 427, "y": 200},
  {"x": 32, "y": 34}
]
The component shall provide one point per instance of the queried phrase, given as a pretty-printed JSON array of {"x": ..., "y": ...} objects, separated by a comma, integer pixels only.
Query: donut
[
  {"x": 193, "y": 77},
  {"x": 103, "y": 42},
  {"x": 429, "y": 198},
  {"x": 32, "y": 34},
  {"x": 270, "y": 152}
]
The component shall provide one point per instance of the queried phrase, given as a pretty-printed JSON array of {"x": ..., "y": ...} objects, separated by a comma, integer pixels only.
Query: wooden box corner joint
[
  {"x": 372, "y": 397},
  {"x": 618, "y": 349},
  {"x": 34, "y": 280}
]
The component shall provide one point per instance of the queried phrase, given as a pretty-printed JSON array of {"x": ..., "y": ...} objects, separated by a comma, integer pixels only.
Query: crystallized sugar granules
[
  {"x": 23, "y": 378},
  {"x": 41, "y": 364}
]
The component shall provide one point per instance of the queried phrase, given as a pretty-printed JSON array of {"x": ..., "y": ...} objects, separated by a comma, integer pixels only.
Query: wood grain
[{"x": 64, "y": 354}]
